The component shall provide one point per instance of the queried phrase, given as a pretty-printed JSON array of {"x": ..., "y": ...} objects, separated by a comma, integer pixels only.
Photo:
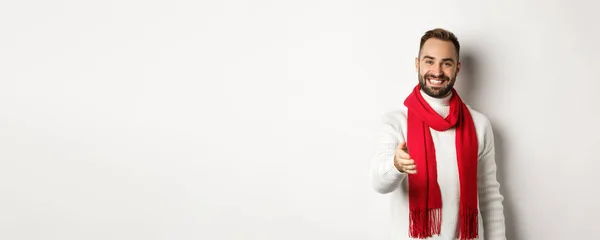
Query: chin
[{"x": 437, "y": 91}]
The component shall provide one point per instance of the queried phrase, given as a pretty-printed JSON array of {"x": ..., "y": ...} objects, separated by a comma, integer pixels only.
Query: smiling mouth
[{"x": 435, "y": 82}]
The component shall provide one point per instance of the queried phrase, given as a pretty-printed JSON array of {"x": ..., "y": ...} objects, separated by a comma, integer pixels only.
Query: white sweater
[{"x": 386, "y": 179}]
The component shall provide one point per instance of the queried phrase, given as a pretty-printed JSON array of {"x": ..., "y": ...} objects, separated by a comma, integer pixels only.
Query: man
[{"x": 435, "y": 155}]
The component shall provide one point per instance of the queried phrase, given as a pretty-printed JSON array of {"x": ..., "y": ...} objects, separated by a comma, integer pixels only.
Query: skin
[
  {"x": 402, "y": 160},
  {"x": 437, "y": 60}
]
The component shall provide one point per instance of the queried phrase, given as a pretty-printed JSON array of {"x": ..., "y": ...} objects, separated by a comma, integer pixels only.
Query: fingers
[
  {"x": 406, "y": 165},
  {"x": 406, "y": 161},
  {"x": 409, "y": 166}
]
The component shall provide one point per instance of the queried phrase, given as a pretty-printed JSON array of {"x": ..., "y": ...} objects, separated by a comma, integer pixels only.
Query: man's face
[{"x": 438, "y": 67}]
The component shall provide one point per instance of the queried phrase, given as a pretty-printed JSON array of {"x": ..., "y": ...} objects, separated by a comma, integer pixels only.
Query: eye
[
  {"x": 429, "y": 62},
  {"x": 448, "y": 64}
]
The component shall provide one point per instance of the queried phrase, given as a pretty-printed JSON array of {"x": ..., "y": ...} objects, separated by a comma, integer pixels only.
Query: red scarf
[{"x": 425, "y": 200}]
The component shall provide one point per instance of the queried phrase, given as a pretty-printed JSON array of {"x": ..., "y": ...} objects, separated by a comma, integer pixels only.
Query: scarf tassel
[
  {"x": 425, "y": 222},
  {"x": 468, "y": 226}
]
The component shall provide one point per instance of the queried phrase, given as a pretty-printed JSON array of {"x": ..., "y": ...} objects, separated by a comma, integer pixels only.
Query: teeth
[{"x": 435, "y": 81}]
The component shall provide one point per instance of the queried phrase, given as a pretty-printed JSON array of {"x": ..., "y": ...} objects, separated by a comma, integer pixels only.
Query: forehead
[{"x": 438, "y": 49}]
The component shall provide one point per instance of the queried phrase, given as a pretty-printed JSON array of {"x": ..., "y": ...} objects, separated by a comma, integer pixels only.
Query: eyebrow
[{"x": 443, "y": 59}]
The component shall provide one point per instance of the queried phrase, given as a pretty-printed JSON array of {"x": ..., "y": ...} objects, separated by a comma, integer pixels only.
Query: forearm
[
  {"x": 385, "y": 177},
  {"x": 490, "y": 198}
]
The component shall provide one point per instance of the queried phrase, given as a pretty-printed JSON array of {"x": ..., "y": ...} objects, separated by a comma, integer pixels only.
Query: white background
[{"x": 256, "y": 119}]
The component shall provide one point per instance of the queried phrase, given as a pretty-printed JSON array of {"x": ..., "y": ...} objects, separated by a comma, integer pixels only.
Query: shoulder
[
  {"x": 395, "y": 117},
  {"x": 481, "y": 121},
  {"x": 394, "y": 122}
]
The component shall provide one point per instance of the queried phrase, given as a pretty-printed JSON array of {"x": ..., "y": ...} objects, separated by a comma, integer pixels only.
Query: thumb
[{"x": 402, "y": 145}]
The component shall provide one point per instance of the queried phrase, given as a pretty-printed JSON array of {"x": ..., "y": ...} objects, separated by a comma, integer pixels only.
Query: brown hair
[{"x": 441, "y": 34}]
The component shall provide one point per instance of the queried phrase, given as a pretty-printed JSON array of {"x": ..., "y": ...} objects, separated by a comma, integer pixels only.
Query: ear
[
  {"x": 458, "y": 66},
  {"x": 417, "y": 64}
]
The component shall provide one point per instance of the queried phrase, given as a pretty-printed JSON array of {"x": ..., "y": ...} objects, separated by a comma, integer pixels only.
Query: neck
[{"x": 433, "y": 101}]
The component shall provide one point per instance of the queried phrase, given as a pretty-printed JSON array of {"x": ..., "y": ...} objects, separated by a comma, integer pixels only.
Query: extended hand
[{"x": 402, "y": 160}]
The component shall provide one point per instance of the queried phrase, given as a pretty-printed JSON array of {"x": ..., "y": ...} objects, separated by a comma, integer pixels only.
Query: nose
[{"x": 436, "y": 70}]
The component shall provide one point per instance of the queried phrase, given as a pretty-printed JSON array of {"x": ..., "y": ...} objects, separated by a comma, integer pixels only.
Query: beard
[{"x": 436, "y": 92}]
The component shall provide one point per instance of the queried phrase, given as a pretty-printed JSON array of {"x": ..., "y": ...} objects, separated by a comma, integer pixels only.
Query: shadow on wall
[
  {"x": 468, "y": 81},
  {"x": 469, "y": 84}
]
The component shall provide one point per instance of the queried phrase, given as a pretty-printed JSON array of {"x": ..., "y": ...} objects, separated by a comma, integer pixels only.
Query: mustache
[{"x": 440, "y": 76}]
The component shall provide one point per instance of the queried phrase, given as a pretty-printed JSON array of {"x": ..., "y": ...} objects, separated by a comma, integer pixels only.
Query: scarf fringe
[
  {"x": 425, "y": 222},
  {"x": 468, "y": 224}
]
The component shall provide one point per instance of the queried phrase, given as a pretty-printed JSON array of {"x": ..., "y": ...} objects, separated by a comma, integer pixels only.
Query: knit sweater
[{"x": 386, "y": 179}]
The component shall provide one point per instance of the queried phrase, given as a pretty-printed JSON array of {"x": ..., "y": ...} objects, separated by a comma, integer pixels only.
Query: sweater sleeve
[
  {"x": 385, "y": 177},
  {"x": 490, "y": 199}
]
